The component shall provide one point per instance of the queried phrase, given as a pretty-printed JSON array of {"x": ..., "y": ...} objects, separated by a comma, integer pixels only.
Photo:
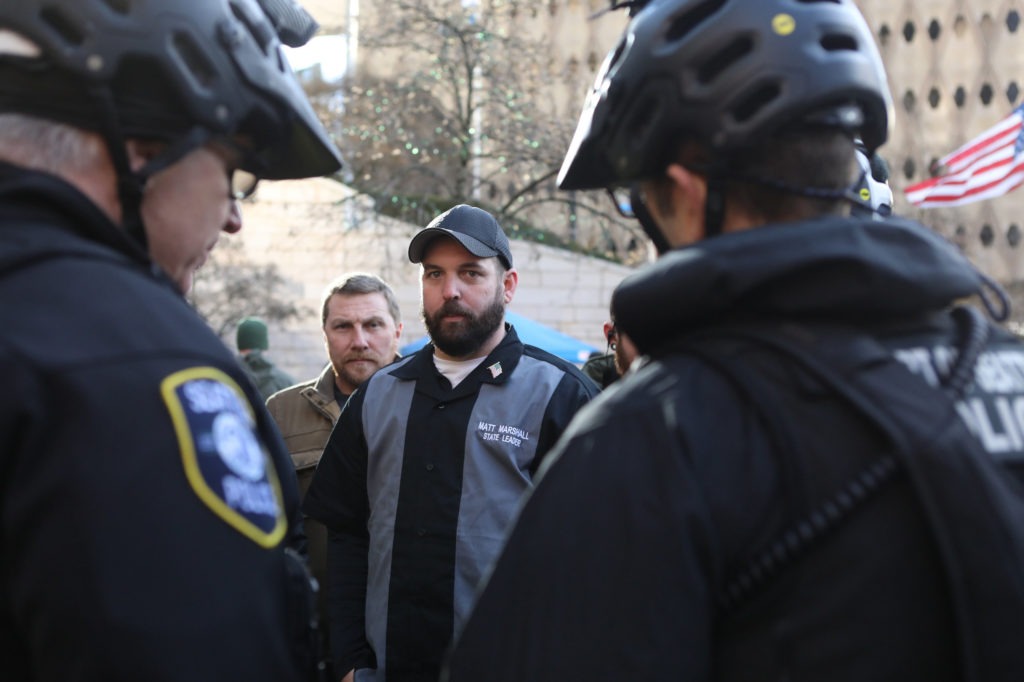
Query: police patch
[{"x": 225, "y": 463}]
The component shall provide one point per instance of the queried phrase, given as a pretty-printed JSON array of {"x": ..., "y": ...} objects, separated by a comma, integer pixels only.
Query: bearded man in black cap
[{"x": 421, "y": 477}]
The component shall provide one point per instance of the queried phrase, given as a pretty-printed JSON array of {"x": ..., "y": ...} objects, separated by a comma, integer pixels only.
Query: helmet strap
[
  {"x": 176, "y": 150},
  {"x": 714, "y": 200},
  {"x": 131, "y": 184},
  {"x": 647, "y": 221}
]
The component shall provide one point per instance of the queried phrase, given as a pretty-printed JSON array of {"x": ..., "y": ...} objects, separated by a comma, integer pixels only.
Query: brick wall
[{"x": 316, "y": 230}]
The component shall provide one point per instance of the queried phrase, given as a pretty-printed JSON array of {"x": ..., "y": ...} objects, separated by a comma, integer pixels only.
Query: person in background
[
  {"x": 621, "y": 346},
  {"x": 600, "y": 367},
  {"x": 361, "y": 326},
  {"x": 605, "y": 369},
  {"x": 739, "y": 508},
  {"x": 252, "y": 340},
  {"x": 149, "y": 511},
  {"x": 425, "y": 469}
]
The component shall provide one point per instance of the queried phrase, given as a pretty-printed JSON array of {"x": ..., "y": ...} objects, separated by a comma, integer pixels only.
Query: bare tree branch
[{"x": 465, "y": 114}]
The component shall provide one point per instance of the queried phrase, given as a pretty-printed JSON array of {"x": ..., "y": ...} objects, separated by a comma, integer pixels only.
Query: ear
[
  {"x": 141, "y": 152},
  {"x": 690, "y": 187},
  {"x": 688, "y": 194},
  {"x": 510, "y": 282}
]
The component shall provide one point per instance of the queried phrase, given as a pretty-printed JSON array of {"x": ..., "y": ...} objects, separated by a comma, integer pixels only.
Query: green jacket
[
  {"x": 267, "y": 377},
  {"x": 601, "y": 368}
]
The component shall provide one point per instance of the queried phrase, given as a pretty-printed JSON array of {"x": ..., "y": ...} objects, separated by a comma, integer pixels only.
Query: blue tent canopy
[{"x": 533, "y": 333}]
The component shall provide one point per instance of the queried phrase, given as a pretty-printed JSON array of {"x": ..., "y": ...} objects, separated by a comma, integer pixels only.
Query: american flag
[{"x": 988, "y": 166}]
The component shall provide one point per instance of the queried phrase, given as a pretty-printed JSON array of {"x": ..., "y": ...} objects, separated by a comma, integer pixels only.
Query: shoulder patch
[{"x": 225, "y": 462}]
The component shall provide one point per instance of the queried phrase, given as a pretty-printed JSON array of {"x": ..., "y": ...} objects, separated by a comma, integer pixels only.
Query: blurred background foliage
[{"x": 453, "y": 103}]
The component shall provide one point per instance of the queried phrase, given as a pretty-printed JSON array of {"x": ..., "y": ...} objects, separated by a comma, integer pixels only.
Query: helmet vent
[
  {"x": 687, "y": 22},
  {"x": 724, "y": 58},
  {"x": 839, "y": 42},
  {"x": 642, "y": 115},
  {"x": 63, "y": 26},
  {"x": 753, "y": 103},
  {"x": 195, "y": 61},
  {"x": 261, "y": 32},
  {"x": 119, "y": 6}
]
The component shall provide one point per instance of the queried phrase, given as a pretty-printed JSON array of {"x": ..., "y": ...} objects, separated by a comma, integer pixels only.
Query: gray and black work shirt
[{"x": 418, "y": 486}]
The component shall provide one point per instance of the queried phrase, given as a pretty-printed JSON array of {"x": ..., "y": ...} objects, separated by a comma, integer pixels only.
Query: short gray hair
[
  {"x": 358, "y": 283},
  {"x": 46, "y": 145}
]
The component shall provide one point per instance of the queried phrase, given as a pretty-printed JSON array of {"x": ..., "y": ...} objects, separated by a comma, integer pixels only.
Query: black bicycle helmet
[
  {"x": 728, "y": 73},
  {"x": 183, "y": 71}
]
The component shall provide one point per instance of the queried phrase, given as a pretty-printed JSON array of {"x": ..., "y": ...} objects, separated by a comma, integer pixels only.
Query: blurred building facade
[{"x": 955, "y": 69}]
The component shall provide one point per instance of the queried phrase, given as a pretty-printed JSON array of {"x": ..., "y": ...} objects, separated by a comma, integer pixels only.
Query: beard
[
  {"x": 357, "y": 374},
  {"x": 464, "y": 338}
]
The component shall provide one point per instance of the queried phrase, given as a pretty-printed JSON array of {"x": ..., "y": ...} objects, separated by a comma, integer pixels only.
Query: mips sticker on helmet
[
  {"x": 225, "y": 463},
  {"x": 865, "y": 194},
  {"x": 783, "y": 24}
]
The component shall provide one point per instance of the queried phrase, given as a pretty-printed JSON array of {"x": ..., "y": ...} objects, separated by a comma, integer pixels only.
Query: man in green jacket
[{"x": 251, "y": 339}]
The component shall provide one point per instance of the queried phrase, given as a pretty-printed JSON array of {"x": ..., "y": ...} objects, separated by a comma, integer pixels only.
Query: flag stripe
[
  {"x": 956, "y": 184},
  {"x": 988, "y": 166},
  {"x": 998, "y": 186},
  {"x": 1005, "y": 131},
  {"x": 985, "y": 167}
]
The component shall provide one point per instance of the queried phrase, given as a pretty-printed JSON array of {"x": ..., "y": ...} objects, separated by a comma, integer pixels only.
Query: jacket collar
[
  {"x": 324, "y": 384},
  {"x": 28, "y": 196},
  {"x": 320, "y": 395},
  {"x": 495, "y": 369},
  {"x": 832, "y": 268}
]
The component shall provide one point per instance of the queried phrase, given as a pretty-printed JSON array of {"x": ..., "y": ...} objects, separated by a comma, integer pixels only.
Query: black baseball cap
[{"x": 474, "y": 228}]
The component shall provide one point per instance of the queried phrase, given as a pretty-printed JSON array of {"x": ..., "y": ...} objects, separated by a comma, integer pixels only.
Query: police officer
[
  {"x": 719, "y": 515},
  {"x": 148, "y": 509}
]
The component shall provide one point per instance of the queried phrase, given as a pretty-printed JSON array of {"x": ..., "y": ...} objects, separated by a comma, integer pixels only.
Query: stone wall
[{"x": 316, "y": 230}]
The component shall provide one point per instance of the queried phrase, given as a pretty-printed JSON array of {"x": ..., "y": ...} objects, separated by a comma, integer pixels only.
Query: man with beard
[
  {"x": 421, "y": 478},
  {"x": 361, "y": 326}
]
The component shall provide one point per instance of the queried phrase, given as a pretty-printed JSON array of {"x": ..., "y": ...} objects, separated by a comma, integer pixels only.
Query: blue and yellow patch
[{"x": 225, "y": 462}]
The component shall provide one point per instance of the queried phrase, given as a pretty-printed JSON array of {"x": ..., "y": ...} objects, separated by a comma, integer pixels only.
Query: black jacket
[
  {"x": 418, "y": 486},
  {"x": 670, "y": 482},
  {"x": 144, "y": 493}
]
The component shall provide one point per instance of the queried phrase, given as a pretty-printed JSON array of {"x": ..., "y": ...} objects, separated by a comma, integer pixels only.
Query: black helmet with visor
[
  {"x": 729, "y": 73},
  {"x": 185, "y": 72}
]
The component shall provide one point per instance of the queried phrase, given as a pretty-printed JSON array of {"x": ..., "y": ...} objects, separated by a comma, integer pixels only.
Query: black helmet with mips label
[
  {"x": 169, "y": 70},
  {"x": 728, "y": 73}
]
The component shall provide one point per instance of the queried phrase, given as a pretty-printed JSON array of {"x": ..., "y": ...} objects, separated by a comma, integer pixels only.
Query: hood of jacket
[{"x": 841, "y": 269}]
